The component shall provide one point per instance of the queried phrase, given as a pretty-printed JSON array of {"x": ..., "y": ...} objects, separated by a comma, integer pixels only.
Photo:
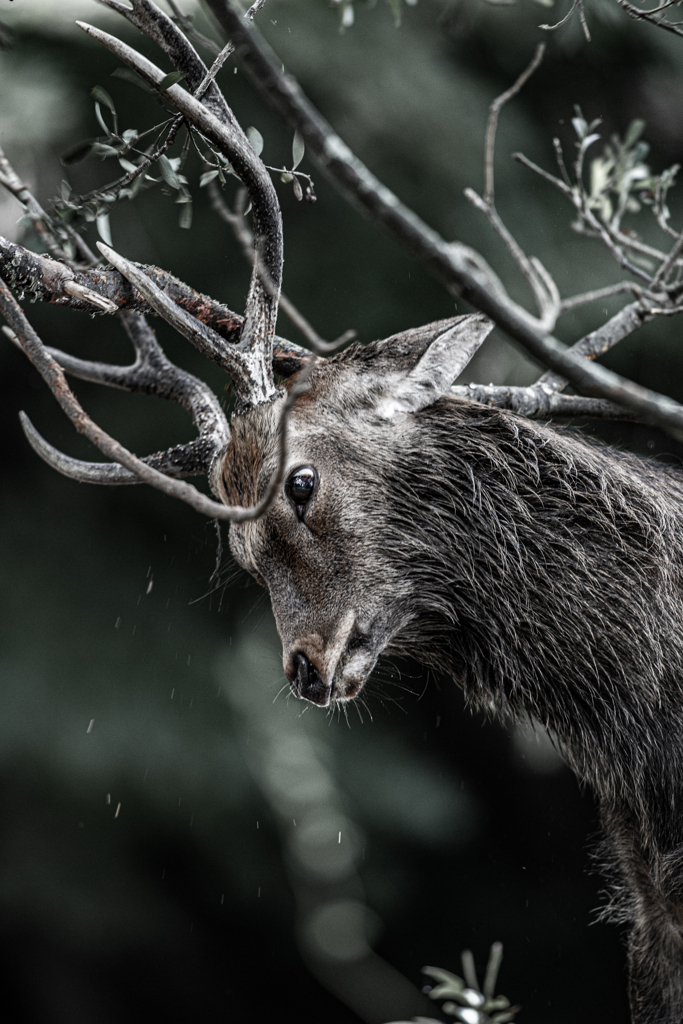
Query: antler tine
[
  {"x": 204, "y": 338},
  {"x": 254, "y": 350},
  {"x": 182, "y": 461},
  {"x": 148, "y": 18},
  {"x": 53, "y": 375},
  {"x": 152, "y": 374}
]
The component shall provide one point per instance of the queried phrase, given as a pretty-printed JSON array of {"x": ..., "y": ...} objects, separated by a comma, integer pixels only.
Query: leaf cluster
[
  {"x": 620, "y": 180},
  {"x": 465, "y": 1001}
]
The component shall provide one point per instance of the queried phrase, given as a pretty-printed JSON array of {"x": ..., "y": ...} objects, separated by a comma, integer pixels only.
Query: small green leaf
[
  {"x": 135, "y": 187},
  {"x": 103, "y": 228},
  {"x": 127, "y": 165},
  {"x": 102, "y": 96},
  {"x": 168, "y": 172},
  {"x": 130, "y": 135},
  {"x": 298, "y": 149},
  {"x": 396, "y": 8},
  {"x": 100, "y": 149},
  {"x": 208, "y": 176},
  {"x": 255, "y": 140},
  {"x": 65, "y": 189},
  {"x": 633, "y": 132},
  {"x": 169, "y": 80},
  {"x": 580, "y": 126},
  {"x": 347, "y": 16},
  {"x": 78, "y": 152},
  {"x": 499, "y": 1003},
  {"x": 588, "y": 141},
  {"x": 103, "y": 124},
  {"x": 128, "y": 75},
  {"x": 286, "y": 177},
  {"x": 185, "y": 218},
  {"x": 449, "y": 984}
]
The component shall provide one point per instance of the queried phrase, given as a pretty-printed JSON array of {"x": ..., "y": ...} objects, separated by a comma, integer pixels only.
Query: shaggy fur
[
  {"x": 564, "y": 601},
  {"x": 541, "y": 571}
]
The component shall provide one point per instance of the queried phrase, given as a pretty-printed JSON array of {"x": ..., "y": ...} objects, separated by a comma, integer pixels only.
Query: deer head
[
  {"x": 337, "y": 601},
  {"x": 298, "y": 471}
]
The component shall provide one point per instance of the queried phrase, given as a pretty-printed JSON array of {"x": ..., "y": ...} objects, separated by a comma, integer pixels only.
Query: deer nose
[{"x": 306, "y": 682}]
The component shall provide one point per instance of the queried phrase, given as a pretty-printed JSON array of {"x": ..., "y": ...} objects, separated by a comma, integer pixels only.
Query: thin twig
[
  {"x": 542, "y": 285},
  {"x": 605, "y": 337},
  {"x": 214, "y": 69},
  {"x": 494, "y": 111},
  {"x": 669, "y": 263},
  {"x": 600, "y": 293},
  {"x": 41, "y": 221},
  {"x": 638, "y": 15},
  {"x": 254, "y": 9},
  {"x": 582, "y": 208},
  {"x": 663, "y": 7},
  {"x": 547, "y": 309},
  {"x": 584, "y": 23},
  {"x": 559, "y": 24},
  {"x": 127, "y": 179},
  {"x": 236, "y": 220},
  {"x": 454, "y": 264}
]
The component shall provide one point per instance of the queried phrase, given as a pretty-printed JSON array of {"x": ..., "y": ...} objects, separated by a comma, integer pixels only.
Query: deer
[{"x": 388, "y": 511}]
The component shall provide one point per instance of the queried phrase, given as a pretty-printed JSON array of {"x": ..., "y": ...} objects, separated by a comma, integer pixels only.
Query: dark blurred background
[{"x": 149, "y": 779}]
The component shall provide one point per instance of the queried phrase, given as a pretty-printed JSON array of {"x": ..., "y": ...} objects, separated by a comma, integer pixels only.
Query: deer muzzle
[
  {"x": 324, "y": 671},
  {"x": 307, "y": 683}
]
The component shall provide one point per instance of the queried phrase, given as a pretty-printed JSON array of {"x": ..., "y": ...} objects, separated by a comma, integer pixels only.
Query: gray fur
[{"x": 539, "y": 570}]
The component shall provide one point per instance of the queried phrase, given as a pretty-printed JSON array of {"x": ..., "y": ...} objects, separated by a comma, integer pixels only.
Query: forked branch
[
  {"x": 254, "y": 383},
  {"x": 108, "y": 291},
  {"x": 454, "y": 264}
]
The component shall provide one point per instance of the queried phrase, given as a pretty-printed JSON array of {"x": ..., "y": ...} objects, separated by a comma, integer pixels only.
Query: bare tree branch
[
  {"x": 605, "y": 337},
  {"x": 599, "y": 293},
  {"x": 638, "y": 15},
  {"x": 110, "y": 292},
  {"x": 541, "y": 401},
  {"x": 455, "y": 265},
  {"x": 261, "y": 312},
  {"x": 492, "y": 125}
]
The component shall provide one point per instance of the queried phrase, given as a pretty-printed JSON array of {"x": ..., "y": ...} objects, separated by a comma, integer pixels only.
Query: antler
[
  {"x": 152, "y": 374},
  {"x": 249, "y": 361}
]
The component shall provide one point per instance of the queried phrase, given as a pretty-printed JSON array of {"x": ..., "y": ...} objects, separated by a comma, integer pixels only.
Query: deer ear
[{"x": 438, "y": 366}]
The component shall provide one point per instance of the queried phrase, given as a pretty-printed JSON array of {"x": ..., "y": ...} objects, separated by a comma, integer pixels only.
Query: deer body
[{"x": 541, "y": 571}]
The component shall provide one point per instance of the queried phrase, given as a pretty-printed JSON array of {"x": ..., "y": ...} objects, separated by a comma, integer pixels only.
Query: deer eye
[{"x": 300, "y": 486}]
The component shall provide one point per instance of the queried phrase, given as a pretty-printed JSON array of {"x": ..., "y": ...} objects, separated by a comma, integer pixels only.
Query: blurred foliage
[{"x": 145, "y": 869}]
